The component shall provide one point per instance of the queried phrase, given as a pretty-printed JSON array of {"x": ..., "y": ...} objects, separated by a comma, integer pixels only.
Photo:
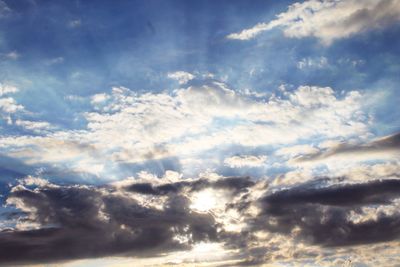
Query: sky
[{"x": 199, "y": 133}]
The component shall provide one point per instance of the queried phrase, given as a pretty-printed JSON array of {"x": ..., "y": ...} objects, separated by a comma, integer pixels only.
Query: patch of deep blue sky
[{"x": 85, "y": 47}]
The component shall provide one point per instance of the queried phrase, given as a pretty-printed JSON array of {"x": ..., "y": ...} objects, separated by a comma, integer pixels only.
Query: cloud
[
  {"x": 245, "y": 161},
  {"x": 9, "y": 105},
  {"x": 384, "y": 146},
  {"x": 35, "y": 126},
  {"x": 13, "y": 55},
  {"x": 181, "y": 76},
  {"x": 98, "y": 98},
  {"x": 232, "y": 183},
  {"x": 149, "y": 217},
  {"x": 7, "y": 89},
  {"x": 91, "y": 222},
  {"x": 54, "y": 61},
  {"x": 4, "y": 9},
  {"x": 321, "y": 215},
  {"x": 315, "y": 63},
  {"x": 72, "y": 222},
  {"x": 75, "y": 23},
  {"x": 375, "y": 192},
  {"x": 184, "y": 125},
  {"x": 296, "y": 150},
  {"x": 328, "y": 20}
]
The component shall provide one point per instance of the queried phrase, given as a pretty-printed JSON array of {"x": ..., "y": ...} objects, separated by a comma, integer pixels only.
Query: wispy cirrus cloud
[
  {"x": 328, "y": 20},
  {"x": 4, "y": 9}
]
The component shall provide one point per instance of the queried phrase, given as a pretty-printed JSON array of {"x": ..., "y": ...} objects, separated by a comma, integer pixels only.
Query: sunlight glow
[{"x": 204, "y": 201}]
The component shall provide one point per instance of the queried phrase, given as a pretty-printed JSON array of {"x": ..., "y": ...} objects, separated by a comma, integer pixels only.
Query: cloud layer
[{"x": 153, "y": 217}]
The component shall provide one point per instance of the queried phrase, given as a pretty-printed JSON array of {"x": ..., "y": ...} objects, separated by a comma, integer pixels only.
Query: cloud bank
[{"x": 151, "y": 218}]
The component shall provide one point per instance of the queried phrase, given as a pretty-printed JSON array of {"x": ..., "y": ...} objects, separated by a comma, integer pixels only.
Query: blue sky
[
  {"x": 83, "y": 48},
  {"x": 98, "y": 97}
]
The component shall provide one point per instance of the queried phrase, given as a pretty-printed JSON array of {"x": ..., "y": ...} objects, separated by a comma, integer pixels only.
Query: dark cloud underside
[{"x": 87, "y": 222}]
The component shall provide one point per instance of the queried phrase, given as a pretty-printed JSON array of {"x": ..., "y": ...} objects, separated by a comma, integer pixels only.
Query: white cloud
[
  {"x": 98, "y": 98},
  {"x": 9, "y": 105},
  {"x": 293, "y": 151},
  {"x": 135, "y": 128},
  {"x": 7, "y": 89},
  {"x": 245, "y": 161},
  {"x": 31, "y": 180},
  {"x": 328, "y": 20},
  {"x": 312, "y": 96},
  {"x": 181, "y": 76},
  {"x": 215, "y": 100},
  {"x": 35, "y": 126},
  {"x": 314, "y": 63}
]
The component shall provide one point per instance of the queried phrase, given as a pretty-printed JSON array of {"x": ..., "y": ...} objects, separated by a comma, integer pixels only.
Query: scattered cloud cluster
[
  {"x": 129, "y": 128},
  {"x": 13, "y": 113},
  {"x": 311, "y": 63},
  {"x": 328, "y": 20},
  {"x": 8, "y": 105}
]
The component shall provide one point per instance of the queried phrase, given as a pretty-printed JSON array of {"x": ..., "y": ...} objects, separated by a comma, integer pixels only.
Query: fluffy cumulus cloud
[{"x": 328, "y": 20}]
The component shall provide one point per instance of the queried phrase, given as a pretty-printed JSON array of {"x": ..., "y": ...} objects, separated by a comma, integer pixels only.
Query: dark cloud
[
  {"x": 89, "y": 222},
  {"x": 321, "y": 215},
  {"x": 374, "y": 192},
  {"x": 84, "y": 222},
  {"x": 235, "y": 184},
  {"x": 385, "y": 144}
]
